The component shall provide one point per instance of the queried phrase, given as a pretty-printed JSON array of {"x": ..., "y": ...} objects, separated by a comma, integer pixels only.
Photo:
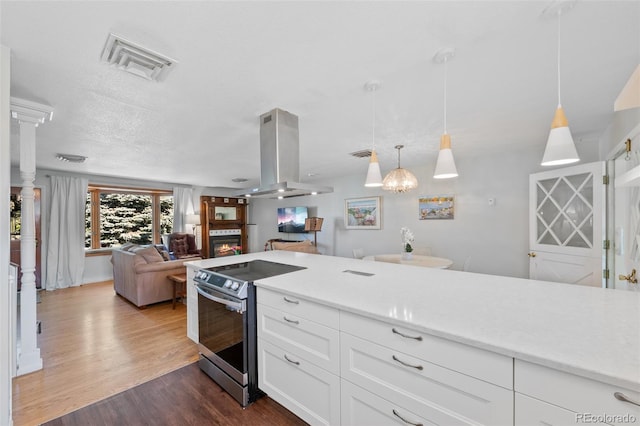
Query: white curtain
[
  {"x": 65, "y": 249},
  {"x": 182, "y": 206}
]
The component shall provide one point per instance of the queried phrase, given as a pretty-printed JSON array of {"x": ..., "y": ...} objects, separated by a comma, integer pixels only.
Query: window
[{"x": 115, "y": 216}]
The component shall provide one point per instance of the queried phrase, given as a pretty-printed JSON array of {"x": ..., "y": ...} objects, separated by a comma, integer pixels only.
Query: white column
[{"x": 29, "y": 116}]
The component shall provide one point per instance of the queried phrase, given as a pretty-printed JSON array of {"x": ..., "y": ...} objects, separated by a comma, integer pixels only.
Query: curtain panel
[
  {"x": 182, "y": 206},
  {"x": 65, "y": 249}
]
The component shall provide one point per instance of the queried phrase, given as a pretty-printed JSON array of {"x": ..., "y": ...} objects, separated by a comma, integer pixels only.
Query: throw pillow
[
  {"x": 163, "y": 252},
  {"x": 150, "y": 254}
]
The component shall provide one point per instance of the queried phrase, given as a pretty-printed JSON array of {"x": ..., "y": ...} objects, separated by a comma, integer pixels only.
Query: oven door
[{"x": 222, "y": 324}]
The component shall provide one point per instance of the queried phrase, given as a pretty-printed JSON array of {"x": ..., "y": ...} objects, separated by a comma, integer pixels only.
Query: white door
[
  {"x": 566, "y": 221},
  {"x": 625, "y": 258}
]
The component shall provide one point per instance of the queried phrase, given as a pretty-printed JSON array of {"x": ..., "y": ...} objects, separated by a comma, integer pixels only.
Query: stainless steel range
[{"x": 227, "y": 324}]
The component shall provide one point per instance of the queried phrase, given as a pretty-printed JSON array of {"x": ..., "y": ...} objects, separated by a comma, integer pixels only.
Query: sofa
[{"x": 140, "y": 273}]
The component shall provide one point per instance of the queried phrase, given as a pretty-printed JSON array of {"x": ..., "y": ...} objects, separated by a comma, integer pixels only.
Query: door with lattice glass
[{"x": 566, "y": 220}]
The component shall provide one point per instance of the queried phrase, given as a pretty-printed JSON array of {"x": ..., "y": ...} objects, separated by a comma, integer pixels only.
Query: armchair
[{"x": 183, "y": 246}]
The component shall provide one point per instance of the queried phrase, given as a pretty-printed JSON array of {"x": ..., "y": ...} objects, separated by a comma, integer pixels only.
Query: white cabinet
[
  {"x": 533, "y": 412},
  {"x": 585, "y": 400},
  {"x": 360, "y": 407},
  {"x": 298, "y": 356},
  {"x": 310, "y": 392},
  {"x": 418, "y": 385},
  {"x": 192, "y": 306}
]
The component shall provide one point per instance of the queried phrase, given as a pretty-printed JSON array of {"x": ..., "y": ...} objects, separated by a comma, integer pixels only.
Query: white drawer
[
  {"x": 310, "y": 392},
  {"x": 300, "y": 307},
  {"x": 301, "y": 337},
  {"x": 359, "y": 407},
  {"x": 423, "y": 387},
  {"x": 574, "y": 393},
  {"x": 484, "y": 365},
  {"x": 532, "y": 412}
]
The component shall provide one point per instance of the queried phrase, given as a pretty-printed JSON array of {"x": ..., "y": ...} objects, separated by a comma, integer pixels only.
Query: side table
[{"x": 179, "y": 286}]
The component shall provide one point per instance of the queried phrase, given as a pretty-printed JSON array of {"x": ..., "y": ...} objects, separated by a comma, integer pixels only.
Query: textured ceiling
[{"x": 237, "y": 60}]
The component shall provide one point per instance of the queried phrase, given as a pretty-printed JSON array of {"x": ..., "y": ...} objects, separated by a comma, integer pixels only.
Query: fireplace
[{"x": 225, "y": 242}]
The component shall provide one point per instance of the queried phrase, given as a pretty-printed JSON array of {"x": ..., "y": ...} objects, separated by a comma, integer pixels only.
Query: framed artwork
[
  {"x": 362, "y": 213},
  {"x": 435, "y": 207}
]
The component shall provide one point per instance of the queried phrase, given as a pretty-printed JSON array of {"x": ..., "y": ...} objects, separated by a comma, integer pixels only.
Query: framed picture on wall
[
  {"x": 435, "y": 207},
  {"x": 362, "y": 213}
]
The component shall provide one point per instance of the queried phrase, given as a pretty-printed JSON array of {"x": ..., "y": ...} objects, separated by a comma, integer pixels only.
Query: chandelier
[{"x": 399, "y": 180}]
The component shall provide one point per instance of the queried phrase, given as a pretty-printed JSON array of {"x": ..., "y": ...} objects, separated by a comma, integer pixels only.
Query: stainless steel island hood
[{"x": 280, "y": 158}]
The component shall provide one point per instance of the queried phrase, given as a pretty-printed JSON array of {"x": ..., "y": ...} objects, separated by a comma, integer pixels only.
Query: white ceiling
[{"x": 237, "y": 60}]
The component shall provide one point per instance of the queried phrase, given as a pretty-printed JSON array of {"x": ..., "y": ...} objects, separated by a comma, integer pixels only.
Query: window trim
[{"x": 95, "y": 191}]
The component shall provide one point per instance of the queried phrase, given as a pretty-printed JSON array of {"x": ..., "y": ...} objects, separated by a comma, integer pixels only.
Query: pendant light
[
  {"x": 399, "y": 180},
  {"x": 445, "y": 166},
  {"x": 374, "y": 177},
  {"x": 560, "y": 148}
]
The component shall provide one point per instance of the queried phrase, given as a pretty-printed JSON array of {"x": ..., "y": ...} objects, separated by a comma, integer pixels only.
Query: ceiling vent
[
  {"x": 361, "y": 154},
  {"x": 69, "y": 158},
  {"x": 136, "y": 59}
]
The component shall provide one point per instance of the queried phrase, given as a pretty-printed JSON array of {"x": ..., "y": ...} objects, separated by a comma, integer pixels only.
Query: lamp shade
[
  {"x": 399, "y": 180},
  {"x": 560, "y": 148},
  {"x": 445, "y": 166},
  {"x": 192, "y": 219},
  {"x": 374, "y": 177}
]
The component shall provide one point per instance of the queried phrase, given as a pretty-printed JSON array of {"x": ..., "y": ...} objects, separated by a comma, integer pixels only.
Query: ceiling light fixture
[
  {"x": 374, "y": 177},
  {"x": 69, "y": 158},
  {"x": 560, "y": 147},
  {"x": 445, "y": 165},
  {"x": 399, "y": 180}
]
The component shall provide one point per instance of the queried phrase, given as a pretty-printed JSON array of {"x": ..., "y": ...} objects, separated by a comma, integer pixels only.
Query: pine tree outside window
[{"x": 115, "y": 216}]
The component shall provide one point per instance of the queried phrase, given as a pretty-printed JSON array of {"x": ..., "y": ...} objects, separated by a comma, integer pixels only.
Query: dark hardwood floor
[{"x": 185, "y": 396}]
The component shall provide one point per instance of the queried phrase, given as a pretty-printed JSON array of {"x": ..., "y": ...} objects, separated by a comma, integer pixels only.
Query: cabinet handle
[
  {"x": 417, "y": 367},
  {"x": 291, "y": 361},
  {"x": 418, "y": 338},
  {"x": 395, "y": 413},
  {"x": 295, "y": 302},
  {"x": 291, "y": 321},
  {"x": 624, "y": 398}
]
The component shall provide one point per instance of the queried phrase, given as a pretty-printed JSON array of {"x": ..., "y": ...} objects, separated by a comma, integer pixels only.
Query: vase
[{"x": 407, "y": 255}]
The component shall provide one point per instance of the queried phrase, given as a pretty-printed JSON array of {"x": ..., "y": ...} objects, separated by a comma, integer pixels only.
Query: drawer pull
[
  {"x": 295, "y": 302},
  {"x": 291, "y": 361},
  {"x": 417, "y": 367},
  {"x": 418, "y": 338},
  {"x": 291, "y": 321},
  {"x": 624, "y": 398},
  {"x": 395, "y": 413}
]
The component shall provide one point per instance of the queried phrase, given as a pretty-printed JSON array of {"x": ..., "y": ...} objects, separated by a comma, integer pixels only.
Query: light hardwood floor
[{"x": 93, "y": 345}]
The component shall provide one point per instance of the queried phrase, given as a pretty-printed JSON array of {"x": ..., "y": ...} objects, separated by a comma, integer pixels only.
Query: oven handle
[{"x": 237, "y": 306}]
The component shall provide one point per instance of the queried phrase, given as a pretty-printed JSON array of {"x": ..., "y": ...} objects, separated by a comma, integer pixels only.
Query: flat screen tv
[{"x": 291, "y": 219}]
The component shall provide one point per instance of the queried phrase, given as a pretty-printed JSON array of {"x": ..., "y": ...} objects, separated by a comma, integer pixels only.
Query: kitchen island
[{"x": 543, "y": 340}]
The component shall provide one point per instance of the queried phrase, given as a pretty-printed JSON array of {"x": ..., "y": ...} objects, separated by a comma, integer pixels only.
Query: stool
[{"x": 179, "y": 286}]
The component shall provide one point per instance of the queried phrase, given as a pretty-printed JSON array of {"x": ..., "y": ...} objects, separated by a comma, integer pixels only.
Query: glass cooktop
[{"x": 254, "y": 270}]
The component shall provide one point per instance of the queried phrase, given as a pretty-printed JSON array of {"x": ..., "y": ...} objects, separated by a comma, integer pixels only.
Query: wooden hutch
[{"x": 219, "y": 214}]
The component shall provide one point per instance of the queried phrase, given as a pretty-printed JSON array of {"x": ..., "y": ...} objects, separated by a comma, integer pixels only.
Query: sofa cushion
[{"x": 150, "y": 254}]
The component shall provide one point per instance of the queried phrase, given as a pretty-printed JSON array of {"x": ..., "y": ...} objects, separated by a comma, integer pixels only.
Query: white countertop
[
  {"x": 591, "y": 332},
  {"x": 415, "y": 260}
]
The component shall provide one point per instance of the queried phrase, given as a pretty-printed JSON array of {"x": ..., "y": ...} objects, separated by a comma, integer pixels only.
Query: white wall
[
  {"x": 495, "y": 237},
  {"x": 6, "y": 321}
]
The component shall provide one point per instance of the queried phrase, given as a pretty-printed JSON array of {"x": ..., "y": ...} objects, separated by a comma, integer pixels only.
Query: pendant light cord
[
  {"x": 445, "y": 94},
  {"x": 559, "y": 99},
  {"x": 373, "y": 113}
]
